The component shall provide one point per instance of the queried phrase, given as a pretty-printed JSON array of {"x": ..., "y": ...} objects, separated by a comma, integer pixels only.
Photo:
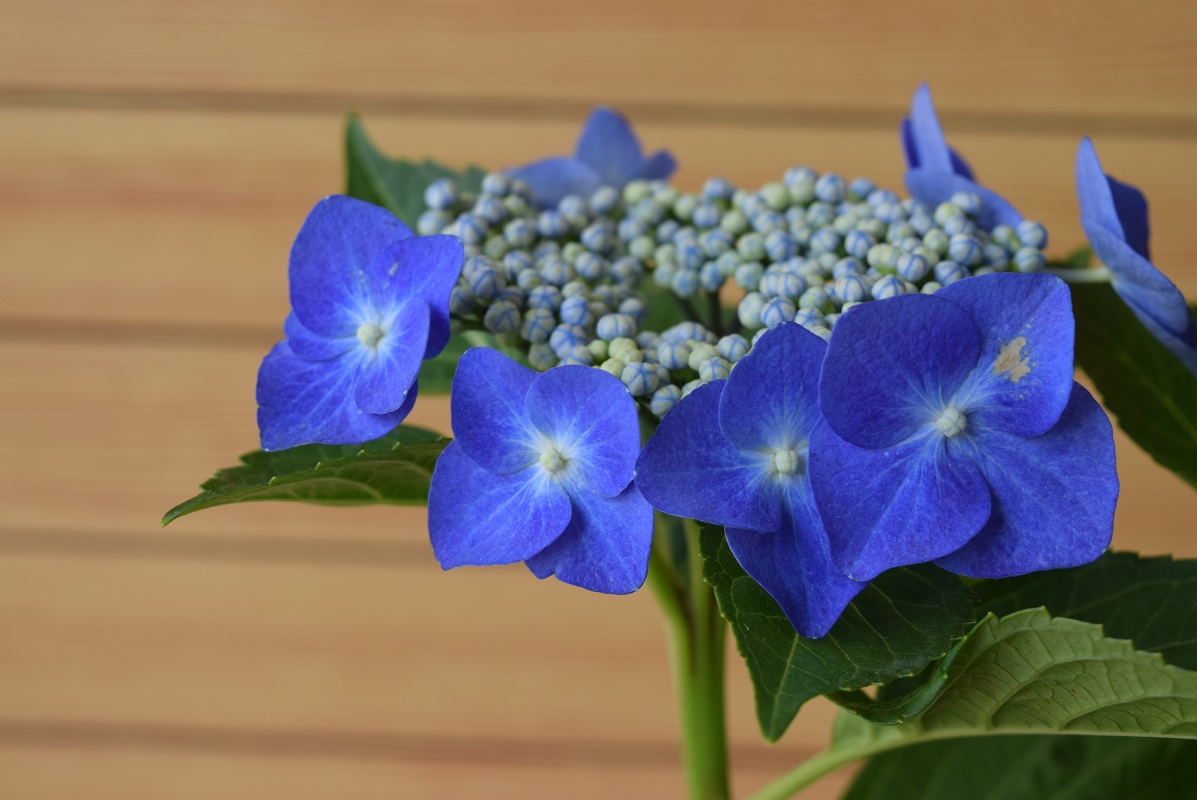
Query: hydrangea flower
[
  {"x": 608, "y": 154},
  {"x": 956, "y": 434},
  {"x": 369, "y": 301},
  {"x": 935, "y": 172},
  {"x": 734, "y": 452},
  {"x": 1114, "y": 216},
  {"x": 541, "y": 472}
]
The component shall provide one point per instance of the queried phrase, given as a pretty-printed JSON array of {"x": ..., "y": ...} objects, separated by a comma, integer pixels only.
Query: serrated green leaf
[
  {"x": 394, "y": 469},
  {"x": 1032, "y": 768},
  {"x": 1149, "y": 391},
  {"x": 395, "y": 184},
  {"x": 902, "y": 621}
]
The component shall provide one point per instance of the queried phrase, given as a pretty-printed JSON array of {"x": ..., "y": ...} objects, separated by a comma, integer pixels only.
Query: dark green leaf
[
  {"x": 1150, "y": 601},
  {"x": 396, "y": 185},
  {"x": 1032, "y": 768},
  {"x": 1152, "y": 394},
  {"x": 905, "y": 619},
  {"x": 395, "y": 469}
]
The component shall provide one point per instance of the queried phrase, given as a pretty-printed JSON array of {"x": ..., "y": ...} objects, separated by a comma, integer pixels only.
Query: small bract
[
  {"x": 956, "y": 434},
  {"x": 369, "y": 301},
  {"x": 608, "y": 154},
  {"x": 541, "y": 472}
]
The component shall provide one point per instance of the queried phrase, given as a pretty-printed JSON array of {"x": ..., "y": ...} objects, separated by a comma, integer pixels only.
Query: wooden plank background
[{"x": 156, "y": 159}]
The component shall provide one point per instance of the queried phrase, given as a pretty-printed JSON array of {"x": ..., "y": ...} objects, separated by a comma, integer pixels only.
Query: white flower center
[
  {"x": 552, "y": 461},
  {"x": 786, "y": 462},
  {"x": 369, "y": 334},
  {"x": 951, "y": 421}
]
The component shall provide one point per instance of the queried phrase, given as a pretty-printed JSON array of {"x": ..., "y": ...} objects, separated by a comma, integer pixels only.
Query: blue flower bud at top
[
  {"x": 857, "y": 243},
  {"x": 640, "y": 378},
  {"x": 664, "y": 399},
  {"x": 777, "y": 311},
  {"x": 718, "y": 189},
  {"x": 749, "y": 310},
  {"x": 441, "y": 195},
  {"x": 615, "y": 326},
  {"x": 432, "y": 221},
  {"x": 538, "y": 325},
  {"x": 852, "y": 288},
  {"x": 861, "y": 188},
  {"x": 1028, "y": 259},
  {"x": 502, "y": 317},
  {"x": 1031, "y": 234},
  {"x": 888, "y": 286},
  {"x": 830, "y": 188},
  {"x": 732, "y": 347},
  {"x": 912, "y": 267},
  {"x": 545, "y": 296},
  {"x": 552, "y": 224},
  {"x": 604, "y": 199},
  {"x": 490, "y": 209}
]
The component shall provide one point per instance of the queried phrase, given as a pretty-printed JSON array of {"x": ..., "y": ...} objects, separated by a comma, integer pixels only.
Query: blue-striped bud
[
  {"x": 664, "y": 399},
  {"x": 851, "y": 289},
  {"x": 538, "y": 325},
  {"x": 442, "y": 195},
  {"x": 732, "y": 347},
  {"x": 615, "y": 326},
  {"x": 432, "y": 221},
  {"x": 640, "y": 378},
  {"x": 912, "y": 267},
  {"x": 1031, "y": 234},
  {"x": 777, "y": 311}
]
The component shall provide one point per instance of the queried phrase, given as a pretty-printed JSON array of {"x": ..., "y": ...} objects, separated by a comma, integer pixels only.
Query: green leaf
[
  {"x": 396, "y": 185},
  {"x": 1150, "y": 601},
  {"x": 395, "y": 469},
  {"x": 1032, "y": 768},
  {"x": 905, "y": 619},
  {"x": 1152, "y": 394}
]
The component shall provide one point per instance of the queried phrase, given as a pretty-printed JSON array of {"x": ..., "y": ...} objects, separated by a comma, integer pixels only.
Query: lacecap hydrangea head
[
  {"x": 541, "y": 471},
  {"x": 608, "y": 154},
  {"x": 1114, "y": 217},
  {"x": 369, "y": 302},
  {"x": 955, "y": 434}
]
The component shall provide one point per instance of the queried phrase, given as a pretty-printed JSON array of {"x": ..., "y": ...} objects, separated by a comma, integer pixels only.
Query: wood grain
[{"x": 1103, "y": 57}]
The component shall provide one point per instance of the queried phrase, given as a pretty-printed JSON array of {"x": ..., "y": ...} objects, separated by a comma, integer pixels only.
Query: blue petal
[
  {"x": 793, "y": 564},
  {"x": 927, "y": 142},
  {"x": 302, "y": 402},
  {"x": 489, "y": 416},
  {"x": 959, "y": 165},
  {"x": 308, "y": 345},
  {"x": 335, "y": 270},
  {"x": 553, "y": 178},
  {"x": 1131, "y": 207},
  {"x": 658, "y": 167},
  {"x": 589, "y": 417},
  {"x": 932, "y": 187},
  {"x": 610, "y": 147},
  {"x": 479, "y": 517},
  {"x": 689, "y": 468},
  {"x": 1053, "y": 496},
  {"x": 772, "y": 396},
  {"x": 903, "y": 505},
  {"x": 606, "y": 546},
  {"x": 426, "y": 267},
  {"x": 389, "y": 370},
  {"x": 893, "y": 365},
  {"x": 1024, "y": 378}
]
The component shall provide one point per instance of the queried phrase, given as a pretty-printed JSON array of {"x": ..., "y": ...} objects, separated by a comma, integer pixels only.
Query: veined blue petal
[
  {"x": 905, "y": 504},
  {"x": 959, "y": 165},
  {"x": 480, "y": 517},
  {"x": 771, "y": 396},
  {"x": 334, "y": 268},
  {"x": 689, "y": 468},
  {"x": 303, "y": 402},
  {"x": 1053, "y": 496},
  {"x": 610, "y": 147},
  {"x": 927, "y": 140},
  {"x": 389, "y": 368},
  {"x": 1131, "y": 207},
  {"x": 606, "y": 546},
  {"x": 306, "y": 344},
  {"x": 657, "y": 167},
  {"x": 553, "y": 178},
  {"x": 588, "y": 416},
  {"x": 893, "y": 365},
  {"x": 490, "y": 419},
  {"x": 793, "y": 564},
  {"x": 1024, "y": 376},
  {"x": 426, "y": 267}
]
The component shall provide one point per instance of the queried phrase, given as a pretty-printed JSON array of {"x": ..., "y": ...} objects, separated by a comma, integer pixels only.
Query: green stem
[
  {"x": 696, "y": 635},
  {"x": 1080, "y": 275}
]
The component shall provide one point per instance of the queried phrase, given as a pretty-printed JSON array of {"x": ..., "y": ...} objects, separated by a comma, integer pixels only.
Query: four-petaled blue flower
[
  {"x": 541, "y": 471},
  {"x": 1114, "y": 216},
  {"x": 935, "y": 172},
  {"x": 369, "y": 302},
  {"x": 734, "y": 452},
  {"x": 608, "y": 154},
  {"x": 956, "y": 434}
]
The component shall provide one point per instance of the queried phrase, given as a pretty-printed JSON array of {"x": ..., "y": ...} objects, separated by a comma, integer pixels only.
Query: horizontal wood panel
[
  {"x": 119, "y": 772},
  {"x": 360, "y": 656},
  {"x": 180, "y": 218},
  {"x": 1106, "y": 56}
]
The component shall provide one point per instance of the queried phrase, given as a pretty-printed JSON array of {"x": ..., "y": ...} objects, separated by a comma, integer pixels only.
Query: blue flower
[
  {"x": 541, "y": 472},
  {"x": 608, "y": 154},
  {"x": 935, "y": 172},
  {"x": 1114, "y": 216},
  {"x": 369, "y": 302},
  {"x": 733, "y": 452},
  {"x": 956, "y": 434}
]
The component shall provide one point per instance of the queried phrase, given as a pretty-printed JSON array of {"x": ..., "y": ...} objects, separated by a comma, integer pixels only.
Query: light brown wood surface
[{"x": 156, "y": 159}]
